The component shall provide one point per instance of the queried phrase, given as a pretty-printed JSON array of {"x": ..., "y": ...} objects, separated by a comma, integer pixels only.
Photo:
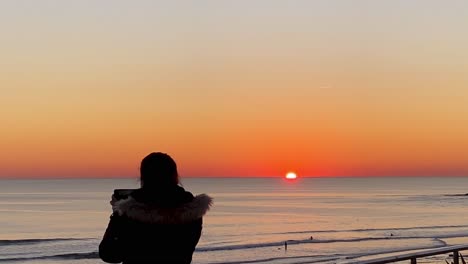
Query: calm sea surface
[{"x": 62, "y": 221}]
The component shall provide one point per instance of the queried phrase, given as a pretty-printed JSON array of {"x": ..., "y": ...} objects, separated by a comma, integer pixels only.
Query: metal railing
[{"x": 413, "y": 257}]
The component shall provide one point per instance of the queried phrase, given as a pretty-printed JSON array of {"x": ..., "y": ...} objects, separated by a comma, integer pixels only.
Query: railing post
[
  {"x": 413, "y": 261},
  {"x": 456, "y": 259}
]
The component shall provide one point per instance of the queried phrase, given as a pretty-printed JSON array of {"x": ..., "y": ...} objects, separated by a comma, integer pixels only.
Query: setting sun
[{"x": 291, "y": 175}]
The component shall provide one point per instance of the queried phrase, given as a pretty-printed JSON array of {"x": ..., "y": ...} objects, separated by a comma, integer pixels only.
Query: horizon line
[{"x": 228, "y": 177}]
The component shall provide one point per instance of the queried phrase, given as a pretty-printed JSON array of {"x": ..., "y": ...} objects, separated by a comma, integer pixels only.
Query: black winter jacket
[{"x": 161, "y": 228}]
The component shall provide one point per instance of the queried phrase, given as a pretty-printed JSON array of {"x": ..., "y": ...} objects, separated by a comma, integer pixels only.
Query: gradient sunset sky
[{"x": 234, "y": 88}]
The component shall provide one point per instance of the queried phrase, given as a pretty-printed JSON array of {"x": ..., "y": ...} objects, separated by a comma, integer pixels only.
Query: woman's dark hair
[{"x": 158, "y": 170}]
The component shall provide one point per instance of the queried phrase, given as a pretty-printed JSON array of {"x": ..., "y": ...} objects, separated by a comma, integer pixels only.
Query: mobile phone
[{"x": 120, "y": 194}]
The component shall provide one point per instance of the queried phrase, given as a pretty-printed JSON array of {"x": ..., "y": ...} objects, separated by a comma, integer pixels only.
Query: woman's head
[{"x": 158, "y": 170}]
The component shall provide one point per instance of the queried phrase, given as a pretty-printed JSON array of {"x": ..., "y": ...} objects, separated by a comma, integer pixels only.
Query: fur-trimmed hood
[{"x": 153, "y": 213}]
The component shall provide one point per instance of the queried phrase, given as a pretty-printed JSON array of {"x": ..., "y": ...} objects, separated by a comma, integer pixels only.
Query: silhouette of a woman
[{"x": 158, "y": 223}]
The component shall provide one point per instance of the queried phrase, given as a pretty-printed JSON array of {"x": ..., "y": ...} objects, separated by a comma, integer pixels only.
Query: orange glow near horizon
[{"x": 234, "y": 93}]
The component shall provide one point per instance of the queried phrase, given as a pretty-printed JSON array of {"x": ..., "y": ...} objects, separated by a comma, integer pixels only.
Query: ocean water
[{"x": 323, "y": 220}]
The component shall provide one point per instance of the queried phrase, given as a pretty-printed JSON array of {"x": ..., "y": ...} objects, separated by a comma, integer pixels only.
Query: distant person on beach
[{"x": 158, "y": 223}]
